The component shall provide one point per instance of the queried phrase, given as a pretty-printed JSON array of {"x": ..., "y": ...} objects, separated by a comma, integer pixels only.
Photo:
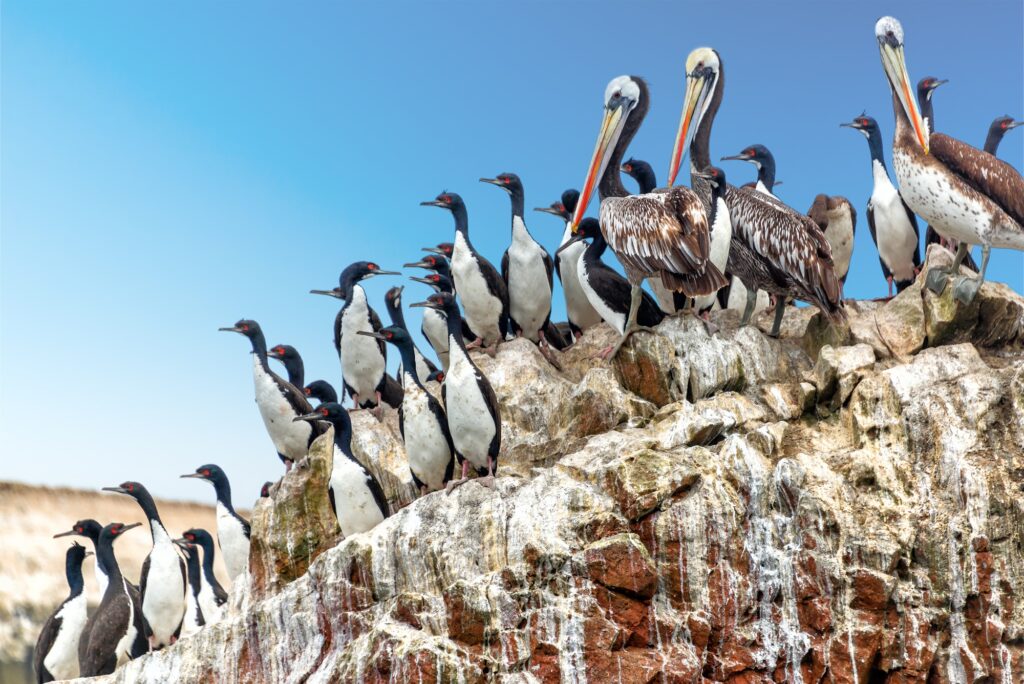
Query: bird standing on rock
[
  {"x": 356, "y": 497},
  {"x": 421, "y": 420},
  {"x": 474, "y": 417},
  {"x": 115, "y": 632},
  {"x": 194, "y": 619},
  {"x": 211, "y": 594},
  {"x": 393, "y": 303},
  {"x": 363, "y": 360},
  {"x": 482, "y": 290},
  {"x": 233, "y": 531},
  {"x": 162, "y": 582},
  {"x": 56, "y": 654},
  {"x": 278, "y": 400}
]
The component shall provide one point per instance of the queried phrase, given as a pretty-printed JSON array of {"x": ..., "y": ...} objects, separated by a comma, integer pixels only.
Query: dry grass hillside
[{"x": 32, "y": 567}]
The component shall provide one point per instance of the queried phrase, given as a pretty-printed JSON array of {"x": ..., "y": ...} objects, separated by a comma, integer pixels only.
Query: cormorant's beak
[
  {"x": 69, "y": 533},
  {"x": 852, "y": 124},
  {"x": 434, "y": 203},
  {"x": 125, "y": 528},
  {"x": 417, "y": 264},
  {"x": 195, "y": 475},
  {"x": 699, "y": 85},
  {"x": 433, "y": 250},
  {"x": 89, "y": 553},
  {"x": 273, "y": 354},
  {"x": 421, "y": 280},
  {"x": 573, "y": 240},
  {"x": 309, "y": 417},
  {"x": 941, "y": 81},
  {"x": 554, "y": 211},
  {"x": 495, "y": 181},
  {"x": 1014, "y": 124},
  {"x": 426, "y": 305},
  {"x": 231, "y": 329},
  {"x": 736, "y": 157},
  {"x": 895, "y": 65},
  {"x": 378, "y": 272},
  {"x": 116, "y": 490},
  {"x": 371, "y": 334},
  {"x": 611, "y": 128},
  {"x": 336, "y": 292}
]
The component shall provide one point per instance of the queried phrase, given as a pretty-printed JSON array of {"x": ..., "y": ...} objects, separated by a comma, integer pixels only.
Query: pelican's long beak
[
  {"x": 895, "y": 64},
  {"x": 698, "y": 87},
  {"x": 611, "y": 129}
]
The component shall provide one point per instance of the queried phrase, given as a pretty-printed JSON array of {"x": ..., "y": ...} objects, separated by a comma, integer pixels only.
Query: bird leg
[
  {"x": 355, "y": 401},
  {"x": 780, "y": 311},
  {"x": 488, "y": 480},
  {"x": 492, "y": 349},
  {"x": 748, "y": 310},
  {"x": 452, "y": 484},
  {"x": 378, "y": 410},
  {"x": 888, "y": 279},
  {"x": 546, "y": 351},
  {"x": 937, "y": 277},
  {"x": 966, "y": 289},
  {"x": 708, "y": 325},
  {"x": 475, "y": 343},
  {"x": 631, "y": 326}
]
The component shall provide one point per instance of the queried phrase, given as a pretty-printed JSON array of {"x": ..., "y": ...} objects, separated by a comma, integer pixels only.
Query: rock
[
  {"x": 681, "y": 514},
  {"x": 821, "y": 332}
]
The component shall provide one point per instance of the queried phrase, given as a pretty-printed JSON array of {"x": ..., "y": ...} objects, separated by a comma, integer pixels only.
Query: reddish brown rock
[
  {"x": 629, "y": 666},
  {"x": 622, "y": 563}
]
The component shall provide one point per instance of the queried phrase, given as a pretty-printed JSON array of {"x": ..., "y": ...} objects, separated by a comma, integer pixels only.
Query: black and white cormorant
[
  {"x": 662, "y": 235},
  {"x": 642, "y": 173},
  {"x": 421, "y": 420},
  {"x": 321, "y": 390},
  {"x": 774, "y": 247},
  {"x": 444, "y": 249},
  {"x": 605, "y": 288},
  {"x": 289, "y": 356},
  {"x": 363, "y": 360},
  {"x": 393, "y": 303},
  {"x": 211, "y": 594},
  {"x": 194, "y": 619},
  {"x": 356, "y": 497},
  {"x": 90, "y": 529},
  {"x": 965, "y": 193},
  {"x": 762, "y": 158},
  {"x": 837, "y": 219},
  {"x": 474, "y": 417},
  {"x": 115, "y": 633},
  {"x": 720, "y": 226},
  {"x": 434, "y": 327},
  {"x": 232, "y": 529},
  {"x": 997, "y": 130},
  {"x": 162, "y": 582},
  {"x": 56, "y": 654},
  {"x": 481, "y": 288},
  {"x": 278, "y": 400},
  {"x": 526, "y": 269},
  {"x": 893, "y": 225},
  {"x": 578, "y": 309}
]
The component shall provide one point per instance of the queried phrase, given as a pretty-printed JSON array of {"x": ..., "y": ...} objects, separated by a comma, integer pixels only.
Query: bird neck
[
  {"x": 295, "y": 369},
  {"x": 396, "y": 314},
  {"x": 259, "y": 347},
  {"x": 408, "y": 355},
  {"x": 597, "y": 247},
  {"x": 461, "y": 216},
  {"x": 518, "y": 199},
  {"x": 222, "y": 488},
  {"x": 765, "y": 173},
  {"x": 995, "y": 136},
  {"x": 343, "y": 437},
  {"x": 924, "y": 103},
  {"x": 454, "y": 320},
  {"x": 156, "y": 526},
  {"x": 105, "y": 557},
  {"x": 73, "y": 571},
  {"x": 192, "y": 563},
  {"x": 611, "y": 182},
  {"x": 208, "y": 558},
  {"x": 700, "y": 146},
  {"x": 645, "y": 178}
]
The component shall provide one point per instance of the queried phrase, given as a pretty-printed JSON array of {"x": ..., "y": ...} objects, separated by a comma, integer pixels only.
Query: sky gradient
[{"x": 169, "y": 169}]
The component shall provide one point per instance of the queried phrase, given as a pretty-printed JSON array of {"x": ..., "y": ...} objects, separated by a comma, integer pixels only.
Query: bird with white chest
[
  {"x": 421, "y": 420},
  {"x": 474, "y": 418},
  {"x": 163, "y": 578},
  {"x": 356, "y": 496},
  {"x": 212, "y": 596},
  {"x": 893, "y": 225},
  {"x": 363, "y": 360},
  {"x": 526, "y": 268},
  {"x": 837, "y": 220},
  {"x": 720, "y": 227},
  {"x": 233, "y": 531},
  {"x": 56, "y": 654},
  {"x": 393, "y": 303},
  {"x": 277, "y": 399},
  {"x": 90, "y": 529}
]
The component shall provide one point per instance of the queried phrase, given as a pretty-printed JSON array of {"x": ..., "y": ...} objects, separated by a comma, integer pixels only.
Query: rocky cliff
[{"x": 836, "y": 505}]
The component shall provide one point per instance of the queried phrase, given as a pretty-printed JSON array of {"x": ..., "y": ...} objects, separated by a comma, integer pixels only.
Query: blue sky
[{"x": 171, "y": 168}]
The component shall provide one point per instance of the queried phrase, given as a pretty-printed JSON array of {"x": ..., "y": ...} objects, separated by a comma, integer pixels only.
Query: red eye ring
[{"x": 323, "y": 412}]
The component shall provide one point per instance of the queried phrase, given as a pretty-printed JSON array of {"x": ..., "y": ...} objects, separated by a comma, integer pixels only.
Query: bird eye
[
  {"x": 245, "y": 327},
  {"x": 323, "y": 412},
  {"x": 389, "y": 335},
  {"x": 79, "y": 530},
  {"x": 307, "y": 391},
  {"x": 440, "y": 377},
  {"x": 130, "y": 488},
  {"x": 1005, "y": 124},
  {"x": 371, "y": 267}
]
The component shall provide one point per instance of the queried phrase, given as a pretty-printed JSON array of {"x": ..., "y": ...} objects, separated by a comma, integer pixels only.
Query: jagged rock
[
  {"x": 900, "y": 322},
  {"x": 701, "y": 525}
]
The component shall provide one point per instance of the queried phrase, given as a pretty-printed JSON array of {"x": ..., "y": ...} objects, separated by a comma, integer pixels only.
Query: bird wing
[
  {"x": 912, "y": 217},
  {"x": 549, "y": 267},
  {"x": 504, "y": 266},
  {"x": 337, "y": 331},
  {"x": 788, "y": 241},
  {"x": 664, "y": 231},
  {"x": 987, "y": 174},
  {"x": 46, "y": 638},
  {"x": 819, "y": 212}
]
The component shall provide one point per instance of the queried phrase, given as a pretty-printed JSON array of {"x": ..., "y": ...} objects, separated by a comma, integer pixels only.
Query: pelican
[
  {"x": 964, "y": 193},
  {"x": 655, "y": 235},
  {"x": 774, "y": 247}
]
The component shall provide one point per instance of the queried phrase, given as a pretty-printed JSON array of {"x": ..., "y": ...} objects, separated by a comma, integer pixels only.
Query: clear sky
[{"x": 169, "y": 168}]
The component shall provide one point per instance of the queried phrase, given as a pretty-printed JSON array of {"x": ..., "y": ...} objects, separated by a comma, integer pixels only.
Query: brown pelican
[
  {"x": 964, "y": 193},
  {"x": 837, "y": 219},
  {"x": 774, "y": 247},
  {"x": 655, "y": 235}
]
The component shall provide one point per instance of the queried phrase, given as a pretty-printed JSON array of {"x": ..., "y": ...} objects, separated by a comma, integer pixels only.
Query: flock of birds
[{"x": 712, "y": 244}]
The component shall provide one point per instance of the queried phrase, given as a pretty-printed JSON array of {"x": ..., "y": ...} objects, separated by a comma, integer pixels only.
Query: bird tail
[
  {"x": 828, "y": 291},
  {"x": 695, "y": 284}
]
